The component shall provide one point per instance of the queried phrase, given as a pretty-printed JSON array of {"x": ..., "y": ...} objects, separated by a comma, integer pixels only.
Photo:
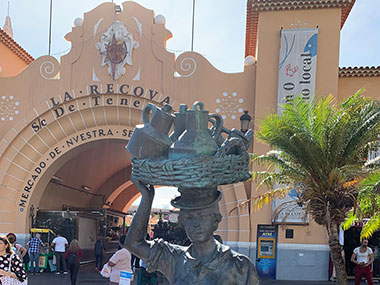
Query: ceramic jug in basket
[
  {"x": 236, "y": 143},
  {"x": 196, "y": 140},
  {"x": 179, "y": 122},
  {"x": 151, "y": 140},
  {"x": 216, "y": 120}
]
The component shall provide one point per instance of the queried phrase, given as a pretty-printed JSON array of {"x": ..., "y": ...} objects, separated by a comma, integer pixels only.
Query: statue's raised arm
[{"x": 135, "y": 241}]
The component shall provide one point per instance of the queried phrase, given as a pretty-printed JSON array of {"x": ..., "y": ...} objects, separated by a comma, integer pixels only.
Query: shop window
[{"x": 289, "y": 233}]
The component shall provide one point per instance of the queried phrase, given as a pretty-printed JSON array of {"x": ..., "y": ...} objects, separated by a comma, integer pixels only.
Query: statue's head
[
  {"x": 200, "y": 224},
  {"x": 199, "y": 212}
]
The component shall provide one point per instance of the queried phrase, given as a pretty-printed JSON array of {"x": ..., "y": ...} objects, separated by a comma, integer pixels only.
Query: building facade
[{"x": 65, "y": 123}]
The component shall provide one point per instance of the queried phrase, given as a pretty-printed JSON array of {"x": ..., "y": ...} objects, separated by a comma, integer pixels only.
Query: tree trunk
[{"x": 336, "y": 254}]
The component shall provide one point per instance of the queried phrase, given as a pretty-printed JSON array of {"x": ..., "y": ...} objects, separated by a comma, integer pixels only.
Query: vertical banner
[
  {"x": 266, "y": 251},
  {"x": 298, "y": 63},
  {"x": 296, "y": 77}
]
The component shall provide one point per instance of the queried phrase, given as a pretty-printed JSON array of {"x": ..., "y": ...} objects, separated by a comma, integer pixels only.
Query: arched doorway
[{"x": 77, "y": 160}]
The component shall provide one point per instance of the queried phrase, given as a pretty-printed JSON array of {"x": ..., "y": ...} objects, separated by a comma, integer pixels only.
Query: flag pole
[
  {"x": 51, "y": 9},
  {"x": 192, "y": 29}
]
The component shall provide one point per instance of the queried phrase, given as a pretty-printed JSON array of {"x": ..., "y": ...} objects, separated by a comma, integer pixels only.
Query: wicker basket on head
[{"x": 197, "y": 172}]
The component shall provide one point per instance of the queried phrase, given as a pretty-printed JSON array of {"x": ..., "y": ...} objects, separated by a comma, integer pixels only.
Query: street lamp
[
  {"x": 245, "y": 119},
  {"x": 32, "y": 215}
]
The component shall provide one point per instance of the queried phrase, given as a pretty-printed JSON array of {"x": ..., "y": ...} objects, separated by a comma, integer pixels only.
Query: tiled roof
[
  {"x": 251, "y": 31},
  {"x": 278, "y": 5},
  {"x": 265, "y": 5},
  {"x": 256, "y": 6},
  {"x": 15, "y": 47},
  {"x": 362, "y": 71}
]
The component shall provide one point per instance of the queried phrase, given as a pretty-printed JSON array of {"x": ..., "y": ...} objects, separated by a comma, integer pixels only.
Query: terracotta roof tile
[
  {"x": 251, "y": 32},
  {"x": 278, "y": 5},
  {"x": 254, "y": 7},
  {"x": 265, "y": 5},
  {"x": 362, "y": 71},
  {"x": 15, "y": 47}
]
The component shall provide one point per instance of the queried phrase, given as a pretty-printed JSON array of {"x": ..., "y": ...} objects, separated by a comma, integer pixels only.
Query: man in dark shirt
[{"x": 99, "y": 251}]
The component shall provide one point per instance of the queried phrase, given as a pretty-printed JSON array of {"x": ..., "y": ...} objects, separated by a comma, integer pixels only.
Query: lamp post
[
  {"x": 32, "y": 216},
  {"x": 245, "y": 119}
]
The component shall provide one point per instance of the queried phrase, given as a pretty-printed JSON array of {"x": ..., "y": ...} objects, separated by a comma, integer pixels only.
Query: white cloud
[{"x": 162, "y": 198}]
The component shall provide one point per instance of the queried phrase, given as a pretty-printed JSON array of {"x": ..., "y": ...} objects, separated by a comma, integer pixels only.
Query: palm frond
[
  {"x": 269, "y": 178},
  {"x": 349, "y": 221},
  {"x": 371, "y": 182},
  {"x": 371, "y": 226},
  {"x": 259, "y": 201},
  {"x": 280, "y": 193},
  {"x": 353, "y": 99}
]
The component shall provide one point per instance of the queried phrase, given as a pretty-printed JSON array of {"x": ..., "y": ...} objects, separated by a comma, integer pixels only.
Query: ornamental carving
[
  {"x": 8, "y": 108},
  {"x": 116, "y": 46}
]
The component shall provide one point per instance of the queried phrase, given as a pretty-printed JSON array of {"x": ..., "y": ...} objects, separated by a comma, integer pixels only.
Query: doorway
[{"x": 351, "y": 241}]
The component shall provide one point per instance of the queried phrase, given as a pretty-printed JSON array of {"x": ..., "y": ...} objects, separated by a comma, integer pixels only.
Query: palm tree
[
  {"x": 319, "y": 149},
  {"x": 367, "y": 206}
]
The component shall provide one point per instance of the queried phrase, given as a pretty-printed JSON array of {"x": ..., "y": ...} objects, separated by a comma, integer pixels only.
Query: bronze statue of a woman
[
  {"x": 198, "y": 156},
  {"x": 205, "y": 261}
]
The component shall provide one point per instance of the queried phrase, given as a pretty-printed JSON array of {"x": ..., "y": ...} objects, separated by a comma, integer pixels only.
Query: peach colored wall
[
  {"x": 270, "y": 24},
  {"x": 349, "y": 85},
  {"x": 10, "y": 63}
]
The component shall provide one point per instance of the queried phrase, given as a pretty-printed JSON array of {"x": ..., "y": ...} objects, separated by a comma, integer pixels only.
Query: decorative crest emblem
[{"x": 116, "y": 46}]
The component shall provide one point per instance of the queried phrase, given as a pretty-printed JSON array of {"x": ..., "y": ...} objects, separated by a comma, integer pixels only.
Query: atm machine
[{"x": 266, "y": 251}]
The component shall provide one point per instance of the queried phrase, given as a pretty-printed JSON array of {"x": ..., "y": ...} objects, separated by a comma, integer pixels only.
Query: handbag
[
  {"x": 26, "y": 258},
  {"x": 106, "y": 271},
  {"x": 6, "y": 280}
]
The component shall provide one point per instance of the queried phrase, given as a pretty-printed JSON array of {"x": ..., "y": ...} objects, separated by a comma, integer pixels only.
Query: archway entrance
[
  {"x": 77, "y": 160},
  {"x": 76, "y": 200},
  {"x": 65, "y": 123}
]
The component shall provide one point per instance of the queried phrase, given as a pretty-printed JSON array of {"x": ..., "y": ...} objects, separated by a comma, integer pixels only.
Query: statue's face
[{"x": 199, "y": 224}]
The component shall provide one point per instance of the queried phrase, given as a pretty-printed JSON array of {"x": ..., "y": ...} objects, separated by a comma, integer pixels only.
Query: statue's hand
[{"x": 146, "y": 190}]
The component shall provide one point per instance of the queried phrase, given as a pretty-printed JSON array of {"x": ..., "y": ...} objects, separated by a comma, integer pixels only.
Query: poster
[
  {"x": 296, "y": 77},
  {"x": 297, "y": 65}
]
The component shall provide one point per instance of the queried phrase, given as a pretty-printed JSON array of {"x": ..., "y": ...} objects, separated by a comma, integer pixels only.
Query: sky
[
  {"x": 219, "y": 33},
  {"x": 162, "y": 197},
  {"x": 219, "y": 28}
]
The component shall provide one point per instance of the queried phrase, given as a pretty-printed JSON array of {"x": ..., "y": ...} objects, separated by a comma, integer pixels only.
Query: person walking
[
  {"x": 363, "y": 258},
  {"x": 120, "y": 261},
  {"x": 99, "y": 251},
  {"x": 10, "y": 263},
  {"x": 34, "y": 252},
  {"x": 59, "y": 244},
  {"x": 16, "y": 247},
  {"x": 73, "y": 257}
]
